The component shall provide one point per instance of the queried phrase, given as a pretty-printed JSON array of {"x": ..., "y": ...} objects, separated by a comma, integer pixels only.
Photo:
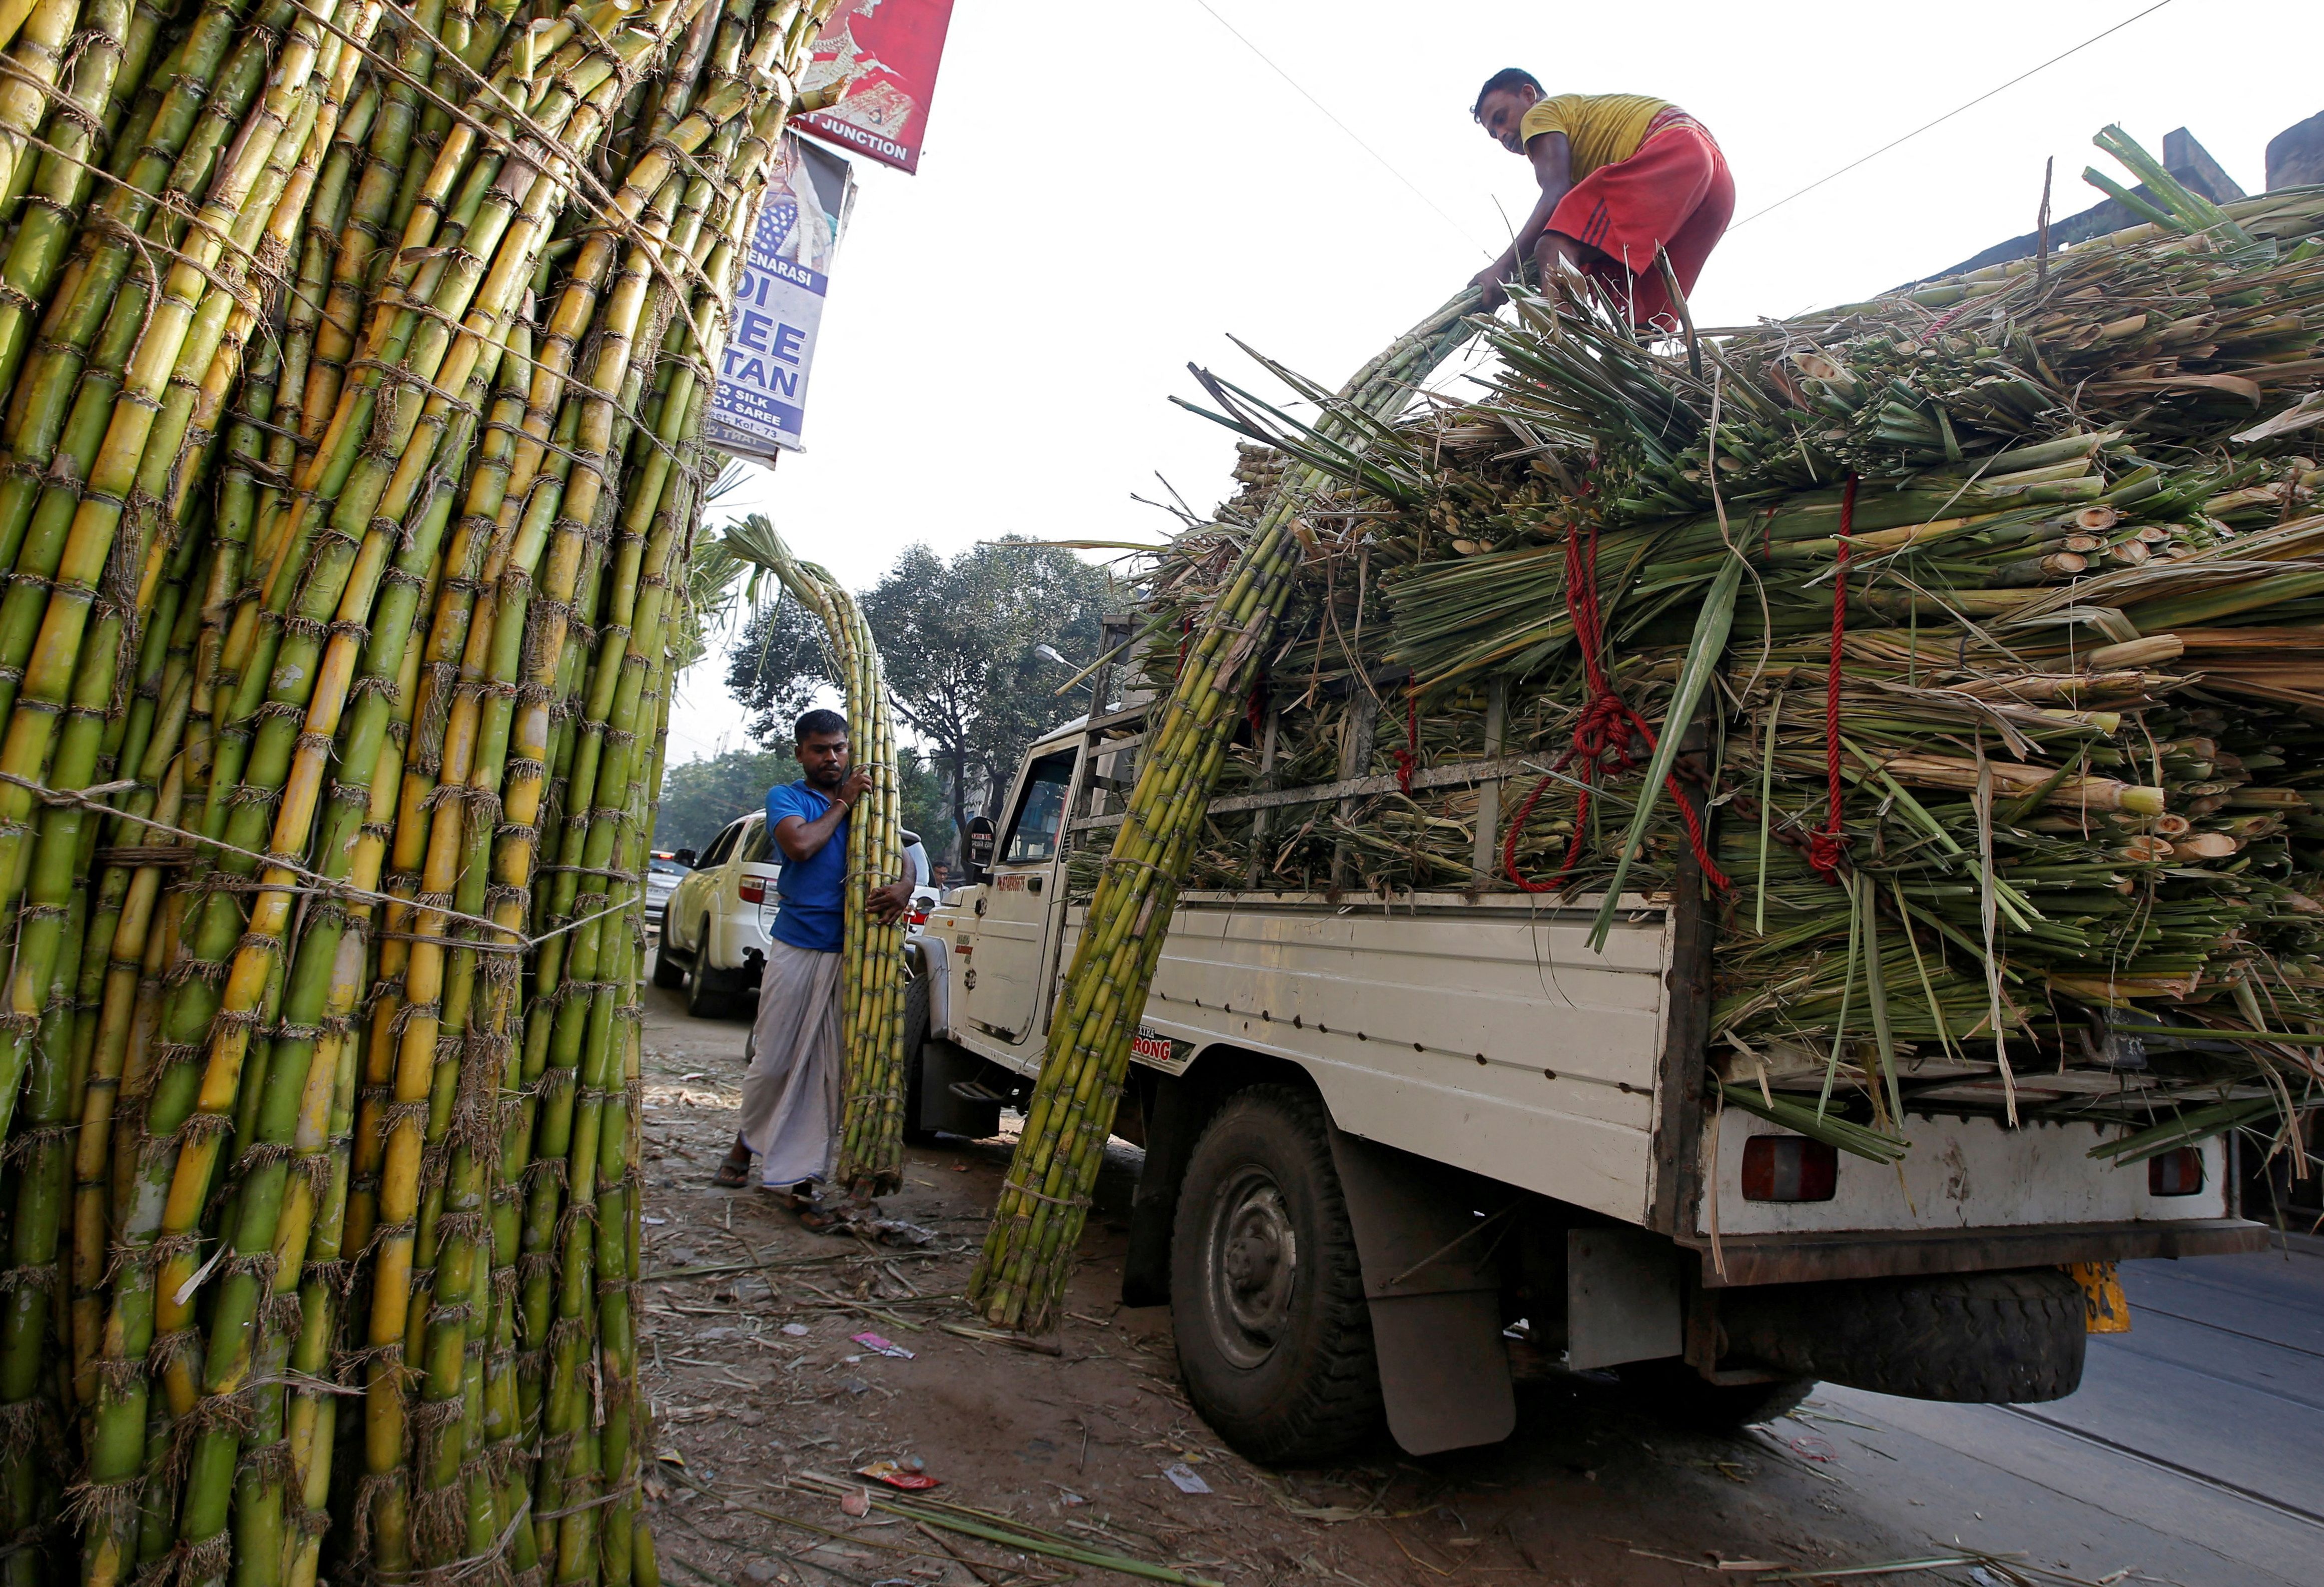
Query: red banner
[{"x": 881, "y": 57}]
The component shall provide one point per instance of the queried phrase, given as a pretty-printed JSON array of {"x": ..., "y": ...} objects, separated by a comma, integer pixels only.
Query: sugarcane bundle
[
  {"x": 1896, "y": 625},
  {"x": 1020, "y": 1279},
  {"x": 871, "y": 964},
  {"x": 353, "y": 428}
]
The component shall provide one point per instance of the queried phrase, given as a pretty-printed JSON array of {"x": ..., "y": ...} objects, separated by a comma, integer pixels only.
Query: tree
[
  {"x": 924, "y": 802},
  {"x": 957, "y": 640},
  {"x": 700, "y": 796}
]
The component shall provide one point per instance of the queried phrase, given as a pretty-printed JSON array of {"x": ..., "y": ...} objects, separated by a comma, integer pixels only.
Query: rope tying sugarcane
[
  {"x": 1829, "y": 844},
  {"x": 316, "y": 882},
  {"x": 1604, "y": 735},
  {"x": 1407, "y": 755}
]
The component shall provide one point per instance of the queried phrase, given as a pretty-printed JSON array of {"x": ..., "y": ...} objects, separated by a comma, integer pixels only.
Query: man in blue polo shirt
[{"x": 791, "y": 1096}]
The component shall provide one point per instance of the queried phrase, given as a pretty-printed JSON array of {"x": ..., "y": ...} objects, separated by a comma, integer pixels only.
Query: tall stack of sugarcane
[
  {"x": 355, "y": 359},
  {"x": 1966, "y": 645},
  {"x": 870, "y": 1155}
]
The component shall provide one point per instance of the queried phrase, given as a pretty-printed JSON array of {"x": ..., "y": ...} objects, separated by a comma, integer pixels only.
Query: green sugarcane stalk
[
  {"x": 60, "y": 412},
  {"x": 261, "y": 175},
  {"x": 121, "y": 1410},
  {"x": 1019, "y": 1277},
  {"x": 871, "y": 1154},
  {"x": 32, "y": 1419}
]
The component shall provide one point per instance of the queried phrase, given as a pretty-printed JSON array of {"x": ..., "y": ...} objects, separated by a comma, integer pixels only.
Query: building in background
[
  {"x": 2186, "y": 160},
  {"x": 2295, "y": 156}
]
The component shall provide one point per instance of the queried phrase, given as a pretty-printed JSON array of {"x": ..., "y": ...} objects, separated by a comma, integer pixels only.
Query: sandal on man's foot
[{"x": 732, "y": 1175}]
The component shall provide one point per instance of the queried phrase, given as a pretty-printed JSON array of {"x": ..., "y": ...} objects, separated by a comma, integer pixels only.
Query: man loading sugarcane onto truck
[{"x": 1633, "y": 195}]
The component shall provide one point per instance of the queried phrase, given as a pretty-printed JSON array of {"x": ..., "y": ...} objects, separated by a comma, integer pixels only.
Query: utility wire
[
  {"x": 1344, "y": 127},
  {"x": 1924, "y": 126}
]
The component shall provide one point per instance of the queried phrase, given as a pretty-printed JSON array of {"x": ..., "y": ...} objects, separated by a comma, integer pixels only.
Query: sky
[{"x": 1108, "y": 192}]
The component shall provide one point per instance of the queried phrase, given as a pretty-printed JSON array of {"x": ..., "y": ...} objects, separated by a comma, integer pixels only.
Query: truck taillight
[
  {"x": 753, "y": 890},
  {"x": 1789, "y": 1168},
  {"x": 2177, "y": 1172},
  {"x": 919, "y": 917}
]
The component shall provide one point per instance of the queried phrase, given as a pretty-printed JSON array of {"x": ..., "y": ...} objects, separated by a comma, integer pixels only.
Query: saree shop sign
[
  {"x": 760, "y": 404},
  {"x": 874, "y": 71}
]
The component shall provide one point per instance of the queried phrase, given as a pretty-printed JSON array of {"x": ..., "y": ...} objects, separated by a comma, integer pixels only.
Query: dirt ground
[{"x": 764, "y": 1403}]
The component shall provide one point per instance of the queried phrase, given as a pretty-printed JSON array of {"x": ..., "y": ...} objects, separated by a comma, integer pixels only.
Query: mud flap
[
  {"x": 943, "y": 1067},
  {"x": 1433, "y": 1289}
]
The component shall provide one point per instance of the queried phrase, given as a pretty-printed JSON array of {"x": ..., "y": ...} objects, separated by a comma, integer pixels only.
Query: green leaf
[
  {"x": 1802, "y": 1120},
  {"x": 1702, "y": 657}
]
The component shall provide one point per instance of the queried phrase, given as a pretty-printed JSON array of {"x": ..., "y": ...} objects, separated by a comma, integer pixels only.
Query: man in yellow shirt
[{"x": 1624, "y": 178}]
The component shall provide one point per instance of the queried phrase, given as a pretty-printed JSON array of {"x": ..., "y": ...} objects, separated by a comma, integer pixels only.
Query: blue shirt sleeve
[{"x": 791, "y": 799}]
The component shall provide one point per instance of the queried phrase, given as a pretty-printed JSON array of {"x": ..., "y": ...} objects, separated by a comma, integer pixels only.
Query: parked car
[
  {"x": 663, "y": 872},
  {"x": 716, "y": 921},
  {"x": 923, "y": 895}
]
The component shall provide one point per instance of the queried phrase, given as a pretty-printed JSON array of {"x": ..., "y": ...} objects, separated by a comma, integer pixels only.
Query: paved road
[{"x": 2194, "y": 1453}]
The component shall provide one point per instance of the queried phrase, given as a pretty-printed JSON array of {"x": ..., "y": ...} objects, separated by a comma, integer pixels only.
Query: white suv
[{"x": 715, "y": 928}]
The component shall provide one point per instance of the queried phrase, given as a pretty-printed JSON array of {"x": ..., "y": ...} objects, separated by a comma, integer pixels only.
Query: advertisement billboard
[
  {"x": 760, "y": 401},
  {"x": 875, "y": 65}
]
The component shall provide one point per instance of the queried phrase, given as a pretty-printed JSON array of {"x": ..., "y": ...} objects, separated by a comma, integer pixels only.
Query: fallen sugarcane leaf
[
  {"x": 2004, "y": 1563},
  {"x": 995, "y": 1336},
  {"x": 981, "y": 1573},
  {"x": 1761, "y": 1570},
  {"x": 679, "y": 1559},
  {"x": 1369, "y": 1511},
  {"x": 843, "y": 1303},
  {"x": 948, "y": 1516},
  {"x": 713, "y": 1269},
  {"x": 792, "y": 1521}
]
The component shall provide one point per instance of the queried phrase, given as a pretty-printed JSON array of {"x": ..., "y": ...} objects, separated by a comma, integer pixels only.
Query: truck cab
[{"x": 1390, "y": 1141}]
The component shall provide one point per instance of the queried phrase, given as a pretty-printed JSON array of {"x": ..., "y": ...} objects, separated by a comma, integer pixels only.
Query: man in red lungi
[{"x": 1623, "y": 177}]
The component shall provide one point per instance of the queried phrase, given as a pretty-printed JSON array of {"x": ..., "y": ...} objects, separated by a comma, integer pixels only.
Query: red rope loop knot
[
  {"x": 1605, "y": 736},
  {"x": 1407, "y": 755},
  {"x": 1826, "y": 846}
]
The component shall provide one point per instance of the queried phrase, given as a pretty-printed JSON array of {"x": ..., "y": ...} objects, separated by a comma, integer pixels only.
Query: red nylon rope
[
  {"x": 1827, "y": 845},
  {"x": 1603, "y": 737},
  {"x": 1408, "y": 759}
]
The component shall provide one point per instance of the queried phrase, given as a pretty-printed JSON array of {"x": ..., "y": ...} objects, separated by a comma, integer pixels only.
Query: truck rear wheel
[
  {"x": 1274, "y": 1340},
  {"x": 2011, "y": 1337}
]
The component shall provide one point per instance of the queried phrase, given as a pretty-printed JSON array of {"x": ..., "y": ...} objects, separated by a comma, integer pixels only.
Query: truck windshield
[{"x": 1040, "y": 811}]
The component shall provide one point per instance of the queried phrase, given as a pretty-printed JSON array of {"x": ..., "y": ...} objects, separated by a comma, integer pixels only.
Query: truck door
[{"x": 1023, "y": 903}]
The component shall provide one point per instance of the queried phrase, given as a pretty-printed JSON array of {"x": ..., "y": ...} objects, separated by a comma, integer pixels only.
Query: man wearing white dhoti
[{"x": 791, "y": 1096}]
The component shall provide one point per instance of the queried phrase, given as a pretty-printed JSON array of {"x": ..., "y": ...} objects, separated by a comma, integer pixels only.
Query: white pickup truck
[{"x": 1381, "y": 1134}]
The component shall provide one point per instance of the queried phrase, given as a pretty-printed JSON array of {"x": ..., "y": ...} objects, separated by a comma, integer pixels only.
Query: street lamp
[{"x": 1049, "y": 653}]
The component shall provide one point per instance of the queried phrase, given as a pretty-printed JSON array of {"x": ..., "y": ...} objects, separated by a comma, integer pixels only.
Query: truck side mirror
[
  {"x": 684, "y": 857},
  {"x": 976, "y": 852}
]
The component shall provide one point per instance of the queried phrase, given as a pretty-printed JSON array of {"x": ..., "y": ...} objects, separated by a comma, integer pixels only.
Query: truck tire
[
  {"x": 708, "y": 990},
  {"x": 669, "y": 973},
  {"x": 915, "y": 1038},
  {"x": 2001, "y": 1338},
  {"x": 1682, "y": 1397},
  {"x": 1275, "y": 1339}
]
